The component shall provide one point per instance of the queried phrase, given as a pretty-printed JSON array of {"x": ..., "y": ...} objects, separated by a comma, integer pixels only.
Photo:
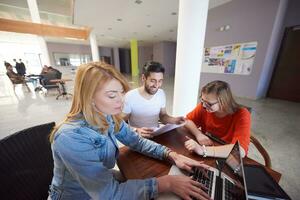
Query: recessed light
[
  {"x": 173, "y": 13},
  {"x": 138, "y": 2},
  {"x": 171, "y": 30},
  {"x": 119, "y": 19},
  {"x": 110, "y": 29},
  {"x": 149, "y": 26}
]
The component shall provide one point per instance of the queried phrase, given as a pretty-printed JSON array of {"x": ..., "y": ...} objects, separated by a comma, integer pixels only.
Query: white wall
[{"x": 250, "y": 21}]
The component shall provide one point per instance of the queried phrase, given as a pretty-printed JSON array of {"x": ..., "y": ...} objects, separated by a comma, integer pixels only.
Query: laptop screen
[{"x": 234, "y": 164}]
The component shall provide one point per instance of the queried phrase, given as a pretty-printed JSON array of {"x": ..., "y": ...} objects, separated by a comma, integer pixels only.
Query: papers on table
[{"x": 165, "y": 128}]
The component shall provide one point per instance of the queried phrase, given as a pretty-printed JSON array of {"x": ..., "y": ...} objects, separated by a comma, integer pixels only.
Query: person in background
[
  {"x": 22, "y": 68},
  {"x": 146, "y": 105},
  {"x": 85, "y": 145},
  {"x": 13, "y": 76},
  {"x": 218, "y": 114}
]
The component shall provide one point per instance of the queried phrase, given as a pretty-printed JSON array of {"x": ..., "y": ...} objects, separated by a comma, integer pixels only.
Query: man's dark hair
[{"x": 152, "y": 66}]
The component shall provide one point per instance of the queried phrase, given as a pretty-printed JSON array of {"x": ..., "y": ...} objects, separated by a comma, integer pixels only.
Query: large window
[{"x": 65, "y": 59}]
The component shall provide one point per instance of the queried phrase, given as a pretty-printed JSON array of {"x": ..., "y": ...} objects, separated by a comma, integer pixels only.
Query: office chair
[
  {"x": 46, "y": 80},
  {"x": 26, "y": 167}
]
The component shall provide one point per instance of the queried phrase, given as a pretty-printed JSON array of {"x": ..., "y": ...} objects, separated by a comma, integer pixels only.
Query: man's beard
[{"x": 149, "y": 91}]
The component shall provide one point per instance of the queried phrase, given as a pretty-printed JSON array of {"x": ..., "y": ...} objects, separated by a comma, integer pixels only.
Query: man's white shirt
[{"x": 144, "y": 112}]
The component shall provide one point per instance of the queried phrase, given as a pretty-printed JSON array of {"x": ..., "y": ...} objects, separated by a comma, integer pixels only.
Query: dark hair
[
  {"x": 152, "y": 66},
  {"x": 223, "y": 92}
]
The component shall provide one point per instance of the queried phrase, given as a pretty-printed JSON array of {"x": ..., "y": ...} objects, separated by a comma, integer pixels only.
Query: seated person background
[
  {"x": 13, "y": 76},
  {"x": 145, "y": 105},
  {"x": 49, "y": 73},
  {"x": 219, "y": 114}
]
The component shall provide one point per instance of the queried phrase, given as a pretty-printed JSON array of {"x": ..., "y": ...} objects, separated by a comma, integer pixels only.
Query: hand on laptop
[
  {"x": 145, "y": 132},
  {"x": 183, "y": 186},
  {"x": 184, "y": 162}
]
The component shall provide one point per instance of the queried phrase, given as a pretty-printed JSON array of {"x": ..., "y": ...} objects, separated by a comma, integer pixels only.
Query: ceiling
[{"x": 114, "y": 22}]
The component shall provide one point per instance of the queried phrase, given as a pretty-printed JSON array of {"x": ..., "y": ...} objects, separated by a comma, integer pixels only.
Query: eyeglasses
[{"x": 207, "y": 104}]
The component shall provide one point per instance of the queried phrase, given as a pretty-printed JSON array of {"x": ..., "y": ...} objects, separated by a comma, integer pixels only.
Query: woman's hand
[
  {"x": 183, "y": 186},
  {"x": 184, "y": 162},
  {"x": 203, "y": 139},
  {"x": 192, "y": 145}
]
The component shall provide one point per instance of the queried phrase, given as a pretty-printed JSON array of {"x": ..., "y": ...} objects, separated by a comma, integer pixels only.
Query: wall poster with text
[{"x": 230, "y": 59}]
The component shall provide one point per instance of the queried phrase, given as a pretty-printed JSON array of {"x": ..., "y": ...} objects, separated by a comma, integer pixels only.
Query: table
[
  {"x": 134, "y": 165},
  {"x": 64, "y": 90}
]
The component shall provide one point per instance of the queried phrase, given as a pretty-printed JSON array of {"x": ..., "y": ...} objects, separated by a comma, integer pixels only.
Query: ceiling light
[
  {"x": 119, "y": 19},
  {"x": 173, "y": 13},
  {"x": 138, "y": 2},
  {"x": 171, "y": 30},
  {"x": 102, "y": 35},
  {"x": 110, "y": 29},
  {"x": 149, "y": 26}
]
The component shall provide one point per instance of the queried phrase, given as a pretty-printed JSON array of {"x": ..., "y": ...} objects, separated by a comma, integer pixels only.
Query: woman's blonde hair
[
  {"x": 88, "y": 78},
  {"x": 223, "y": 92}
]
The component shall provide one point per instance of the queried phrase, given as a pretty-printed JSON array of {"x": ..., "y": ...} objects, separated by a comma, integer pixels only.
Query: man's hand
[
  {"x": 145, "y": 132},
  {"x": 178, "y": 120}
]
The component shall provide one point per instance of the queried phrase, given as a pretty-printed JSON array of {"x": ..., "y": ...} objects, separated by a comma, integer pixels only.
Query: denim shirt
[{"x": 83, "y": 157}]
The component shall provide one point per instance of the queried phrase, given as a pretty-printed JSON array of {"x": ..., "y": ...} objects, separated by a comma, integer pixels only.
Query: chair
[
  {"x": 261, "y": 150},
  {"x": 47, "y": 77},
  {"x": 259, "y": 146},
  {"x": 18, "y": 80},
  {"x": 26, "y": 167}
]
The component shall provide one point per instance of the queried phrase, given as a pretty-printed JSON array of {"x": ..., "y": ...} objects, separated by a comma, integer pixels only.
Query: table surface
[{"x": 134, "y": 165}]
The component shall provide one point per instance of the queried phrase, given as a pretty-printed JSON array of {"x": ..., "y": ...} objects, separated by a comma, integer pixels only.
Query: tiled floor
[{"x": 275, "y": 123}]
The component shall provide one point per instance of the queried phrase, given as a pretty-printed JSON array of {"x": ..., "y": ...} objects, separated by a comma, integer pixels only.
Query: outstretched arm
[{"x": 165, "y": 118}]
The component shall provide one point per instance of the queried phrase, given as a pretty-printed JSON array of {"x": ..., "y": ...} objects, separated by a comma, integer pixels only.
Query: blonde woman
[
  {"x": 218, "y": 114},
  {"x": 85, "y": 145}
]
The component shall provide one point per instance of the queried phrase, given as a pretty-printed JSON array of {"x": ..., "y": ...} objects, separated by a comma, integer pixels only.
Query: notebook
[{"x": 226, "y": 185}]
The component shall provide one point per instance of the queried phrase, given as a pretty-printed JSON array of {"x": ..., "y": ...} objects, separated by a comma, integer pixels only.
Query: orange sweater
[{"x": 229, "y": 128}]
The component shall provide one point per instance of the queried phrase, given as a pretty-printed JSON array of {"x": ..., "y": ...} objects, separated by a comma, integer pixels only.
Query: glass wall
[{"x": 66, "y": 59}]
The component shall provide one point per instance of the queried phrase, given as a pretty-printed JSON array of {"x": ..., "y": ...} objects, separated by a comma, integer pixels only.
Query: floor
[{"x": 275, "y": 123}]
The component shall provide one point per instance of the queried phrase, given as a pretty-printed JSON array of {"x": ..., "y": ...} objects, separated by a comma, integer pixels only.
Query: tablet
[{"x": 261, "y": 185}]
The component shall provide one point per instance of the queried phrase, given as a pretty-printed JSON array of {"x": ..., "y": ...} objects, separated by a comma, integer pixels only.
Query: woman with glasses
[{"x": 219, "y": 115}]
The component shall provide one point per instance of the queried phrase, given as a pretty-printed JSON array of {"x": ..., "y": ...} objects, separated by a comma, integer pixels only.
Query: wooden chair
[
  {"x": 261, "y": 150},
  {"x": 259, "y": 146}
]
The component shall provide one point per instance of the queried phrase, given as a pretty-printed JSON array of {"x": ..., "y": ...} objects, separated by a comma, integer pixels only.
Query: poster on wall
[{"x": 230, "y": 59}]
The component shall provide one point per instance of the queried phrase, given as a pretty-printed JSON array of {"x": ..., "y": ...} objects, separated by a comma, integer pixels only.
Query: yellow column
[{"x": 134, "y": 57}]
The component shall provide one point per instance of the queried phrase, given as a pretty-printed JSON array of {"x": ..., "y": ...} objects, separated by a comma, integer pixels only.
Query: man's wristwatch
[{"x": 134, "y": 129}]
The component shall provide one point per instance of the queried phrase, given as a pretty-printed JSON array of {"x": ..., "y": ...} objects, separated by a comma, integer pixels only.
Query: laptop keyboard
[
  {"x": 204, "y": 177},
  {"x": 229, "y": 190}
]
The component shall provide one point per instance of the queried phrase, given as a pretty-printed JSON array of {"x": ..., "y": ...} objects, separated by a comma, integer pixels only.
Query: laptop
[
  {"x": 225, "y": 184},
  {"x": 261, "y": 186}
]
